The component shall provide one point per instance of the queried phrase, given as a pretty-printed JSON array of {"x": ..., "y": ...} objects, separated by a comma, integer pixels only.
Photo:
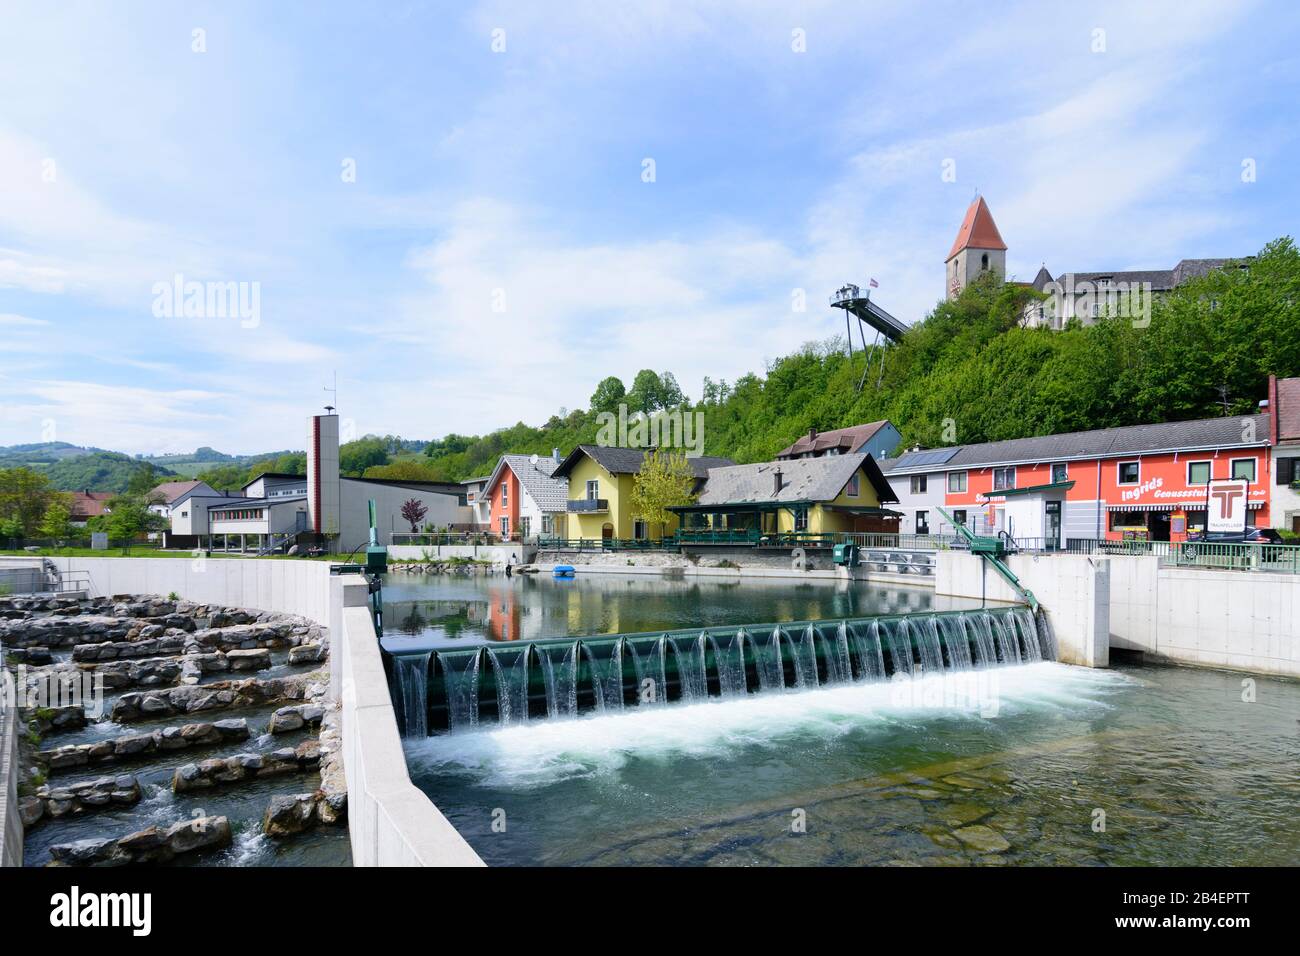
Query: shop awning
[{"x": 1197, "y": 504}]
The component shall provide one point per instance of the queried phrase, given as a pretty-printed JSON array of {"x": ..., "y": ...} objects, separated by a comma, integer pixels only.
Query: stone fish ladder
[{"x": 159, "y": 651}]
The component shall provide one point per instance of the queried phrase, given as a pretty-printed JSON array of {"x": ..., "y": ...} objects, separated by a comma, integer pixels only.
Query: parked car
[{"x": 1248, "y": 536}]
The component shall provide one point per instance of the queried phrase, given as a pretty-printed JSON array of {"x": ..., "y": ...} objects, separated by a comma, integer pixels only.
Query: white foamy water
[{"x": 547, "y": 751}]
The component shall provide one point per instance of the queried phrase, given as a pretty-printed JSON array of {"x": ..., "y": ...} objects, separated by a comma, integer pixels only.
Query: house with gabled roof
[
  {"x": 877, "y": 439},
  {"x": 599, "y": 505},
  {"x": 775, "y": 501},
  {"x": 525, "y": 499}
]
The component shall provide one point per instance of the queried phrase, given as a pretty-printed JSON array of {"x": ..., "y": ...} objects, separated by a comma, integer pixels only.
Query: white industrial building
[{"x": 274, "y": 512}]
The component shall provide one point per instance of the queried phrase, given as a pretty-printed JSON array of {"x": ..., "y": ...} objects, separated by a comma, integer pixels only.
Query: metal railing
[
  {"x": 548, "y": 543},
  {"x": 587, "y": 505},
  {"x": 437, "y": 538}
]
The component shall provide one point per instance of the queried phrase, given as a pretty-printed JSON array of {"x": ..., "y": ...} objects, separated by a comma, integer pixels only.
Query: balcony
[{"x": 588, "y": 506}]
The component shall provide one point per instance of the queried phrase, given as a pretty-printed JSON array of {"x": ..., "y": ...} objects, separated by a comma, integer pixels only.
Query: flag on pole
[{"x": 874, "y": 284}]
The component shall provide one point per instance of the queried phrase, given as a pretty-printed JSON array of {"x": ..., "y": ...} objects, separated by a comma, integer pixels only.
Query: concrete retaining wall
[
  {"x": 390, "y": 821},
  {"x": 11, "y": 825},
  {"x": 496, "y": 553},
  {"x": 1073, "y": 589},
  {"x": 268, "y": 584}
]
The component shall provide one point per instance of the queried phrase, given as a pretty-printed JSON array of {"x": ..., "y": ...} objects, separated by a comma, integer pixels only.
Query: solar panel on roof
[{"x": 917, "y": 458}]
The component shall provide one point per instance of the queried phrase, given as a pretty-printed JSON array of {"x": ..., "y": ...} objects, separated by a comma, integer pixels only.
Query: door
[
  {"x": 922, "y": 522},
  {"x": 1052, "y": 526}
]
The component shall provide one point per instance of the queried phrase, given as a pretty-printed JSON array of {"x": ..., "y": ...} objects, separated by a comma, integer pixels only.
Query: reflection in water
[{"x": 447, "y": 611}]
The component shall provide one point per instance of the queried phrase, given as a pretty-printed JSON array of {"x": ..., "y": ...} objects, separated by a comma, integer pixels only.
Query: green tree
[
  {"x": 665, "y": 480},
  {"x": 24, "y": 496},
  {"x": 608, "y": 394},
  {"x": 356, "y": 456},
  {"x": 56, "y": 523},
  {"x": 128, "y": 517}
]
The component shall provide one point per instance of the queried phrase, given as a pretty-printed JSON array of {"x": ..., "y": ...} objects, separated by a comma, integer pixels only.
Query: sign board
[
  {"x": 99, "y": 540},
  {"x": 1226, "y": 505}
]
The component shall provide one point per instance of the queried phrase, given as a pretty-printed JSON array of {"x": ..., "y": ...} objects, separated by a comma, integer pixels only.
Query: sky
[{"x": 472, "y": 213}]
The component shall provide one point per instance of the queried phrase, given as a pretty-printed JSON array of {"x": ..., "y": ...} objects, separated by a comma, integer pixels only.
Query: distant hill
[
  {"x": 41, "y": 453},
  {"x": 99, "y": 471}
]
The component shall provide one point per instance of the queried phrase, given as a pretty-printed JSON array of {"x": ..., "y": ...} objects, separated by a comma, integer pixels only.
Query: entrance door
[
  {"x": 1052, "y": 527},
  {"x": 922, "y": 522}
]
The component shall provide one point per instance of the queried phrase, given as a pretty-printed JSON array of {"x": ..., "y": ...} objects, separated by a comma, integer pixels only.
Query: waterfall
[
  {"x": 1047, "y": 636},
  {"x": 729, "y": 661},
  {"x": 871, "y": 659},
  {"x": 839, "y": 666},
  {"x": 900, "y": 646},
  {"x": 460, "y": 681},
  {"x": 411, "y": 674},
  {"x": 560, "y": 674},
  {"x": 692, "y": 678},
  {"x": 606, "y": 673},
  {"x": 648, "y": 662},
  {"x": 927, "y": 643},
  {"x": 805, "y": 659},
  {"x": 977, "y": 626},
  {"x": 955, "y": 643},
  {"x": 596, "y": 674},
  {"x": 1008, "y": 649},
  {"x": 510, "y": 670},
  {"x": 1031, "y": 651},
  {"x": 768, "y": 661}
]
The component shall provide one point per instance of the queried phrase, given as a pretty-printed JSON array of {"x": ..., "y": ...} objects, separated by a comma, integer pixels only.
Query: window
[
  {"x": 956, "y": 482},
  {"x": 852, "y": 489},
  {"x": 1243, "y": 468},
  {"x": 548, "y": 524},
  {"x": 1060, "y": 471},
  {"x": 639, "y": 530},
  {"x": 959, "y": 515},
  {"x": 1129, "y": 472},
  {"x": 1198, "y": 472},
  {"x": 801, "y": 519},
  {"x": 918, "y": 484},
  {"x": 1287, "y": 472},
  {"x": 1004, "y": 479},
  {"x": 505, "y": 492},
  {"x": 525, "y": 526},
  {"x": 984, "y": 262},
  {"x": 505, "y": 527},
  {"x": 593, "y": 490}
]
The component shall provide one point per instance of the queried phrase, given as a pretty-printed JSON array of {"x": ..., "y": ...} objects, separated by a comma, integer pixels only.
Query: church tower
[{"x": 978, "y": 248}]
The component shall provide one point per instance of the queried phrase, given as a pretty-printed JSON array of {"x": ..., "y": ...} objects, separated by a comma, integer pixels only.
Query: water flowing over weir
[{"x": 513, "y": 683}]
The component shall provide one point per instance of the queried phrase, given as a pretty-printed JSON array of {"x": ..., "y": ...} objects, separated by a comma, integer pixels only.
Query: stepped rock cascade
[{"x": 453, "y": 690}]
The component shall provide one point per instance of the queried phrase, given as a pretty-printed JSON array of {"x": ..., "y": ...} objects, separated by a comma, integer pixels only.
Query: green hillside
[{"x": 969, "y": 373}]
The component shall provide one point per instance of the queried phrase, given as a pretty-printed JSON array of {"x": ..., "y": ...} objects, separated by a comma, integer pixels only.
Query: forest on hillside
[{"x": 1208, "y": 350}]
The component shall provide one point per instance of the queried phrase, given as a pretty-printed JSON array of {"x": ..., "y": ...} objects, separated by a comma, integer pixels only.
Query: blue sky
[{"x": 499, "y": 252}]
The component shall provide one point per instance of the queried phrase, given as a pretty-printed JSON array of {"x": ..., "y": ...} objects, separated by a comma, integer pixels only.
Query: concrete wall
[
  {"x": 443, "y": 509},
  {"x": 497, "y": 554},
  {"x": 291, "y": 587},
  {"x": 11, "y": 825},
  {"x": 1073, "y": 589},
  {"x": 390, "y": 821}
]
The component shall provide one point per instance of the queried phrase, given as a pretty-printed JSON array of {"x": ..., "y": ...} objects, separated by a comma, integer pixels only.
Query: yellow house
[
  {"x": 600, "y": 492},
  {"x": 805, "y": 496}
]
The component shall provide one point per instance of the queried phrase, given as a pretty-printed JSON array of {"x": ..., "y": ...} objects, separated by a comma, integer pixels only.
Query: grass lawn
[{"x": 143, "y": 552}]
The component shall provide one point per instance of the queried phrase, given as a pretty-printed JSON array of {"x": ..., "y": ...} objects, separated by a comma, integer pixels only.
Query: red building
[{"x": 1147, "y": 481}]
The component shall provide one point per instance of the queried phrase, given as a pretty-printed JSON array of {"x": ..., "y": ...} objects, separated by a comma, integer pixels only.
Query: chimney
[
  {"x": 812, "y": 434},
  {"x": 776, "y": 483},
  {"x": 555, "y": 455}
]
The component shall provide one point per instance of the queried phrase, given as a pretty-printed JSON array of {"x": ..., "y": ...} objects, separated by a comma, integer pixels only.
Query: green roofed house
[{"x": 780, "y": 502}]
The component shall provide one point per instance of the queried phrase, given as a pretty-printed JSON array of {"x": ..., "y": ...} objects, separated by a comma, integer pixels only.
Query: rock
[
  {"x": 82, "y": 852},
  {"x": 289, "y": 814},
  {"x": 30, "y": 809},
  {"x": 982, "y": 839},
  {"x": 284, "y": 720},
  {"x": 202, "y": 833},
  {"x": 251, "y": 660}
]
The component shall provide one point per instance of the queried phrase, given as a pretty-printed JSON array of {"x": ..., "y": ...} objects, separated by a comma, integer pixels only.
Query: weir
[{"x": 456, "y": 690}]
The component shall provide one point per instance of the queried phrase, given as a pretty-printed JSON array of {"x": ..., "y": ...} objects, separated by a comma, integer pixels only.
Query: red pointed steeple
[{"x": 978, "y": 230}]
